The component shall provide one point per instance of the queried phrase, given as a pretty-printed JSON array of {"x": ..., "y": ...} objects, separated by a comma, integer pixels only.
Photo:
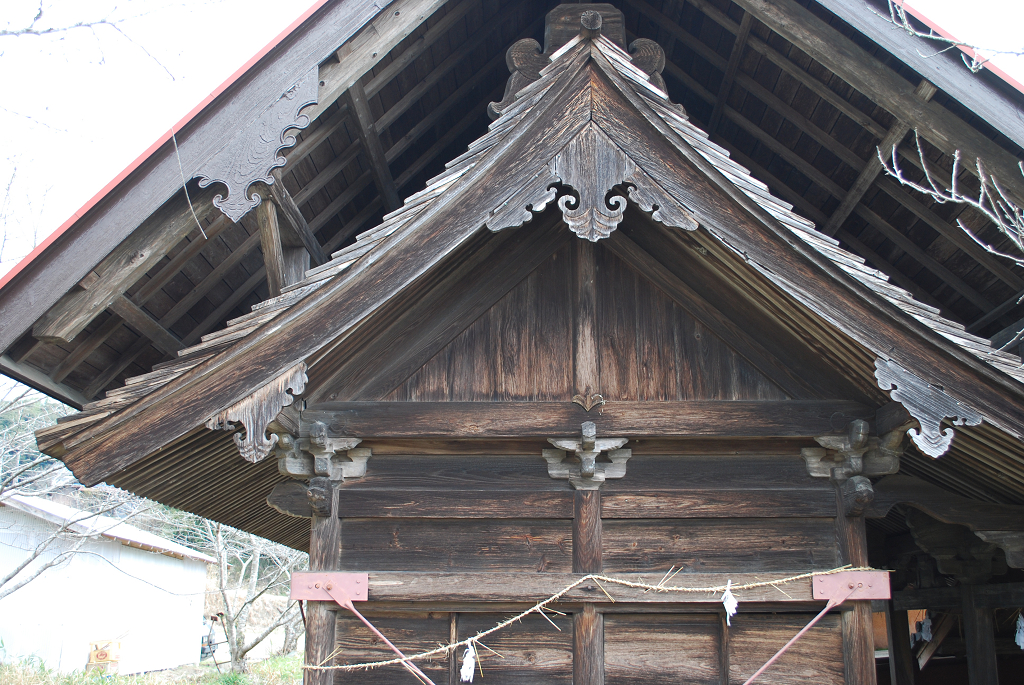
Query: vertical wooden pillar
[
  {"x": 585, "y": 320},
  {"x": 901, "y": 657},
  {"x": 321, "y": 623},
  {"x": 270, "y": 243},
  {"x": 979, "y": 634},
  {"x": 588, "y": 624},
  {"x": 723, "y": 651},
  {"x": 858, "y": 633},
  {"x": 453, "y": 657}
]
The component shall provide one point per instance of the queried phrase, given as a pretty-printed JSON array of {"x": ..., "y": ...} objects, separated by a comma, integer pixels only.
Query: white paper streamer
[
  {"x": 1019, "y": 639},
  {"x": 926, "y": 628},
  {"x": 468, "y": 664},
  {"x": 730, "y": 603}
]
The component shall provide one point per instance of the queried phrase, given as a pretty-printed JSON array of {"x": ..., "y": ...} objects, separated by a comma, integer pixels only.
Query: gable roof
[
  {"x": 89, "y": 524},
  {"x": 590, "y": 91},
  {"x": 444, "y": 60}
]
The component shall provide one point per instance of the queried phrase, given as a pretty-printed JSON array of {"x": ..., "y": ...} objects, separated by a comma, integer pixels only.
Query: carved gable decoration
[
  {"x": 256, "y": 411},
  {"x": 926, "y": 403},
  {"x": 253, "y": 152}
]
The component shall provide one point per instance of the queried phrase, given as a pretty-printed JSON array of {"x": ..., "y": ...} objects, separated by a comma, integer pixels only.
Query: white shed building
[{"x": 123, "y": 584}]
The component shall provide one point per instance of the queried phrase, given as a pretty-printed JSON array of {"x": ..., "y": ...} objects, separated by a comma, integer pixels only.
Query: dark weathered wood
[
  {"x": 943, "y": 505},
  {"x": 738, "y": 46},
  {"x": 455, "y": 504},
  {"x": 724, "y": 649},
  {"x": 815, "y": 658},
  {"x": 686, "y": 297},
  {"x": 37, "y": 379},
  {"x": 663, "y": 649},
  {"x": 453, "y": 656},
  {"x": 586, "y": 531},
  {"x": 107, "y": 223},
  {"x": 887, "y": 88},
  {"x": 132, "y": 315},
  {"x": 321, "y": 621},
  {"x": 411, "y": 631},
  {"x": 652, "y": 504},
  {"x": 979, "y": 634},
  {"x": 551, "y": 419},
  {"x": 367, "y": 131},
  {"x": 585, "y": 321},
  {"x": 296, "y": 222},
  {"x": 290, "y": 498},
  {"x": 901, "y": 656},
  {"x": 508, "y": 586},
  {"x": 858, "y": 634},
  {"x": 532, "y": 650},
  {"x": 997, "y": 596},
  {"x": 719, "y": 545},
  {"x": 897, "y": 132},
  {"x": 85, "y": 348},
  {"x": 588, "y": 646},
  {"x": 270, "y": 243}
]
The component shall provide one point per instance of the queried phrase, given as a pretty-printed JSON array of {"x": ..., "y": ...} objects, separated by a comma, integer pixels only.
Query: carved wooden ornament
[
  {"x": 252, "y": 153},
  {"x": 592, "y": 165},
  {"x": 256, "y": 411},
  {"x": 926, "y": 403}
]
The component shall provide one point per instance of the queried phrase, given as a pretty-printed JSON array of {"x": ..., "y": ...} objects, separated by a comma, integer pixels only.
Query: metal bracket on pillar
[{"x": 585, "y": 472}]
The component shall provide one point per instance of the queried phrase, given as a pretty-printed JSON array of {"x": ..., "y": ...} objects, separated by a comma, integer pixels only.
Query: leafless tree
[{"x": 972, "y": 54}]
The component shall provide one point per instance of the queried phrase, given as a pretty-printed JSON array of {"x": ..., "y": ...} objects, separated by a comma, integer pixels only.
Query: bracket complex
[
  {"x": 321, "y": 456},
  {"x": 587, "y": 473},
  {"x": 850, "y": 459}
]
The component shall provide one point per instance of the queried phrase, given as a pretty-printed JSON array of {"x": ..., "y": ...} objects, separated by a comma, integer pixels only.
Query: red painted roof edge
[
  {"x": 95, "y": 199},
  {"x": 920, "y": 16}
]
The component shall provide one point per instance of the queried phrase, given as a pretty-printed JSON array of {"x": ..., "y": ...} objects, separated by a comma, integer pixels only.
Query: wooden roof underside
[
  {"x": 798, "y": 126},
  {"x": 985, "y": 462}
]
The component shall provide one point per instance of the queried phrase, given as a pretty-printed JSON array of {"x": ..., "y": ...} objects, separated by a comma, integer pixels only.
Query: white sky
[{"x": 79, "y": 106}]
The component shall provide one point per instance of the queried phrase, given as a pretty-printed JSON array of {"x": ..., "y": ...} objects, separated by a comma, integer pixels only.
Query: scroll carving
[
  {"x": 256, "y": 411},
  {"x": 525, "y": 59},
  {"x": 253, "y": 152},
  {"x": 649, "y": 57},
  {"x": 926, "y": 403}
]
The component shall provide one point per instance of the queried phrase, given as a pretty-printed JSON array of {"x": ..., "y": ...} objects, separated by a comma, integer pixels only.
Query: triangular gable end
[{"x": 592, "y": 122}]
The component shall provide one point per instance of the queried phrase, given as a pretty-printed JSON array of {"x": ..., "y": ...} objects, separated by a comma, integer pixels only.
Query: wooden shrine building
[{"x": 650, "y": 309}]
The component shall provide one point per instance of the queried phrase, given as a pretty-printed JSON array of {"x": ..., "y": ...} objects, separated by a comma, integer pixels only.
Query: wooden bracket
[
  {"x": 256, "y": 411},
  {"x": 588, "y": 473},
  {"x": 320, "y": 456},
  {"x": 929, "y": 404}
]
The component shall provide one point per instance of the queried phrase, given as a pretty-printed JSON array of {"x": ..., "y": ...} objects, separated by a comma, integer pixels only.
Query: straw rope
[{"x": 540, "y": 606}]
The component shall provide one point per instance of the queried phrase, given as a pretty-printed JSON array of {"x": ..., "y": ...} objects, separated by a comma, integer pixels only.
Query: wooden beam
[
  {"x": 979, "y": 635},
  {"x": 885, "y": 87},
  {"x": 1003, "y": 308},
  {"x": 945, "y": 68},
  {"x": 322, "y": 618},
  {"x": 136, "y": 255},
  {"x": 296, "y": 222},
  {"x": 998, "y": 596},
  {"x": 270, "y": 242},
  {"x": 707, "y": 418},
  {"x": 39, "y": 380},
  {"x": 396, "y": 586},
  {"x": 939, "y": 633},
  {"x": 85, "y": 348},
  {"x": 370, "y": 139},
  {"x": 897, "y": 132},
  {"x": 858, "y": 643},
  {"x": 367, "y": 47},
  {"x": 143, "y": 323},
  {"x": 584, "y": 294},
  {"x": 901, "y": 656},
  {"x": 943, "y": 505},
  {"x": 738, "y": 46},
  {"x": 328, "y": 173}
]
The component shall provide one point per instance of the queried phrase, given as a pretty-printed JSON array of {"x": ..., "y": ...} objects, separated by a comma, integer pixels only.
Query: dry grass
[{"x": 276, "y": 671}]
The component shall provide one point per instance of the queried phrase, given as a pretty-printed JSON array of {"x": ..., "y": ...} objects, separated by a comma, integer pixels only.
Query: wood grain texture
[
  {"x": 584, "y": 294},
  {"x": 588, "y": 646},
  {"x": 815, "y": 658},
  {"x": 649, "y": 649},
  {"x": 858, "y": 633},
  {"x": 979, "y": 635},
  {"x": 533, "y": 650},
  {"x": 717, "y": 504},
  {"x": 719, "y": 545},
  {"x": 470, "y": 545},
  {"x": 270, "y": 243},
  {"x": 455, "y": 504},
  {"x": 411, "y": 633},
  {"x": 324, "y": 550},
  {"x": 626, "y": 418},
  {"x": 586, "y": 531}
]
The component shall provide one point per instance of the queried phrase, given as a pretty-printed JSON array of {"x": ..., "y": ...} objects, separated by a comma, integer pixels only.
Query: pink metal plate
[
  {"x": 865, "y": 585},
  {"x": 314, "y": 585}
]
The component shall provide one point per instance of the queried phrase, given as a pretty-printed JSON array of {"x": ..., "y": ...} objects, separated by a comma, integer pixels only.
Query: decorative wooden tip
[{"x": 591, "y": 23}]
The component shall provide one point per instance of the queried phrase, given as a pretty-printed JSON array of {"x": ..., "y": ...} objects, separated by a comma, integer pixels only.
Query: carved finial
[{"x": 591, "y": 24}]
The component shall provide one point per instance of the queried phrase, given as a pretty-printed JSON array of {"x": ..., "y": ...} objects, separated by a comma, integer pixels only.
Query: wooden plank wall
[
  {"x": 649, "y": 348},
  {"x": 710, "y": 513}
]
